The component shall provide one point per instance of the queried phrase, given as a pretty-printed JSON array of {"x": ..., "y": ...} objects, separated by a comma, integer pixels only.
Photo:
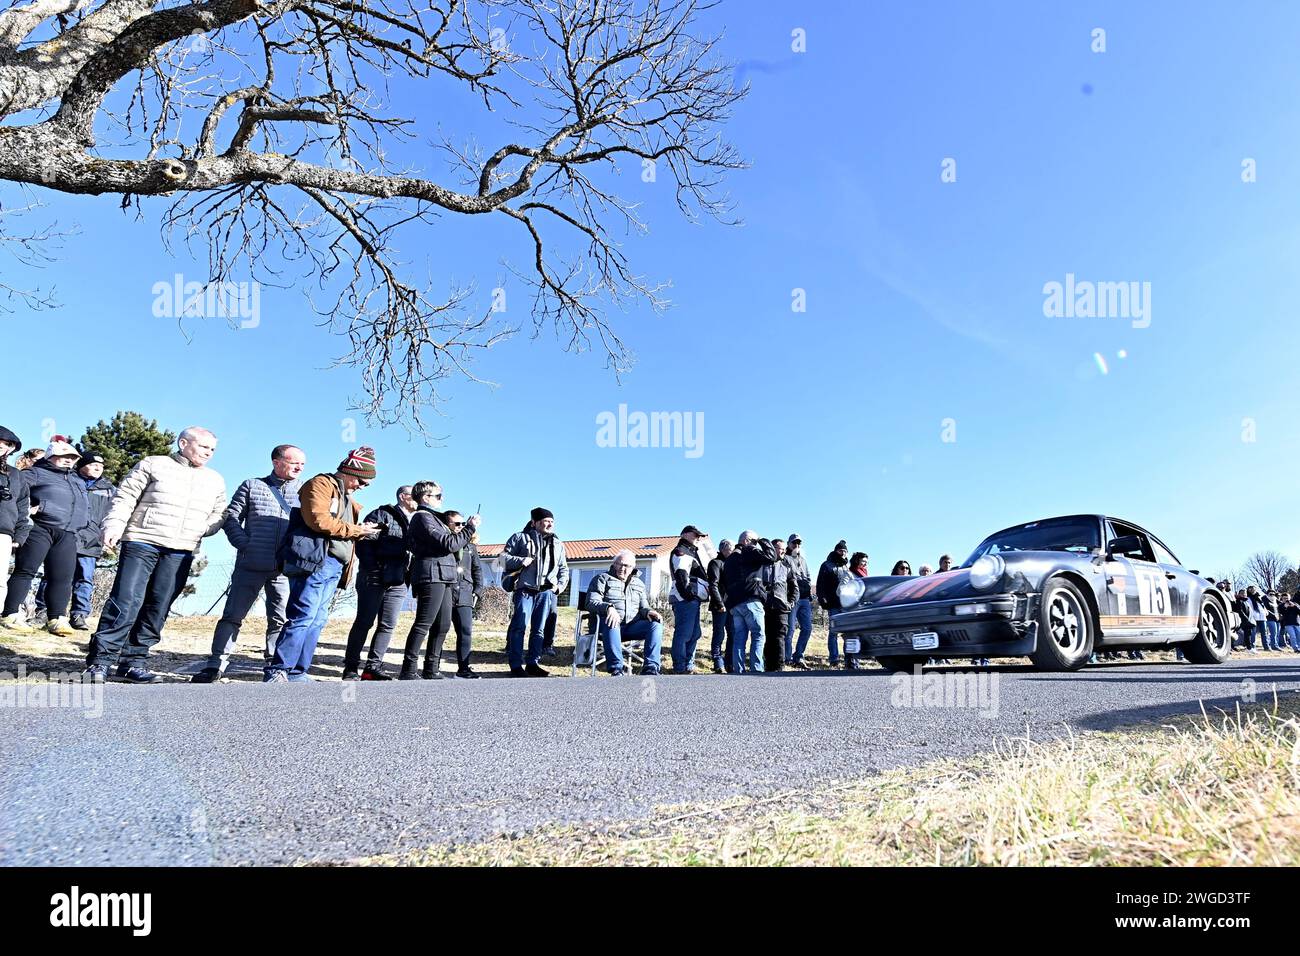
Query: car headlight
[
  {"x": 850, "y": 591},
  {"x": 986, "y": 571}
]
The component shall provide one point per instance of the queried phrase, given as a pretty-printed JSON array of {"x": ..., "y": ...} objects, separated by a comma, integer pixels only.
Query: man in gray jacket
[
  {"x": 256, "y": 523},
  {"x": 617, "y": 597},
  {"x": 535, "y": 559}
]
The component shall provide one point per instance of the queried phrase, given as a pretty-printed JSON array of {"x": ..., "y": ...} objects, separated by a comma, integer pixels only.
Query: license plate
[
  {"x": 852, "y": 645},
  {"x": 925, "y": 641}
]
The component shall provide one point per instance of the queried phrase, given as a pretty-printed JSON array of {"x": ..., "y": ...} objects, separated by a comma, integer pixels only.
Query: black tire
[
  {"x": 902, "y": 663},
  {"x": 1213, "y": 641},
  {"x": 1066, "y": 629}
]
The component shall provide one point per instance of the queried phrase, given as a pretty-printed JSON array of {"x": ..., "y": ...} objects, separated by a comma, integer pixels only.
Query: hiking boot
[
  {"x": 13, "y": 622},
  {"x": 95, "y": 674},
  {"x": 60, "y": 627},
  {"x": 79, "y": 623},
  {"x": 137, "y": 674},
  {"x": 209, "y": 675}
]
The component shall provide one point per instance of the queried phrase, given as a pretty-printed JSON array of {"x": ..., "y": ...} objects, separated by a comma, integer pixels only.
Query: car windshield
[{"x": 1079, "y": 535}]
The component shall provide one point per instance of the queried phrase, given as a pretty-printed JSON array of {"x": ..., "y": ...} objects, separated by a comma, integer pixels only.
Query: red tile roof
[{"x": 600, "y": 548}]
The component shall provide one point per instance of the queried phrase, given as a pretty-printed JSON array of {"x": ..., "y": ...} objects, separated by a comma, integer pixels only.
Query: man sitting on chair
[{"x": 617, "y": 597}]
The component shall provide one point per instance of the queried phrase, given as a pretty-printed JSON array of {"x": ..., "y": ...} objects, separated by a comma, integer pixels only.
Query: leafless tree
[
  {"x": 1265, "y": 569},
  {"x": 268, "y": 124}
]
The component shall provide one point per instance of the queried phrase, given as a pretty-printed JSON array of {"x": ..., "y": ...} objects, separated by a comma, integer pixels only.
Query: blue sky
[{"x": 924, "y": 302}]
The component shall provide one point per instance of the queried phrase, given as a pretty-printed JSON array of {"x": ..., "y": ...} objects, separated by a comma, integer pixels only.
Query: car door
[
  {"x": 1185, "y": 589},
  {"x": 1139, "y": 592}
]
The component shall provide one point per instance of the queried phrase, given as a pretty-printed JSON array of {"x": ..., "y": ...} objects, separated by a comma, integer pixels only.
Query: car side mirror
[{"x": 1124, "y": 545}]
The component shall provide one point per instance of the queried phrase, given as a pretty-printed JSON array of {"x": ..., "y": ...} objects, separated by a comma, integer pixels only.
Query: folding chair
[{"x": 588, "y": 650}]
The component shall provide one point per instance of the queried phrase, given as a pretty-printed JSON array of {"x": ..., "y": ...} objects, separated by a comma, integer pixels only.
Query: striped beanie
[{"x": 359, "y": 464}]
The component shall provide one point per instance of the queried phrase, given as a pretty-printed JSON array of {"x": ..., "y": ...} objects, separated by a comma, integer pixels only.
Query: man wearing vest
[
  {"x": 382, "y": 576},
  {"x": 318, "y": 555},
  {"x": 689, "y": 587},
  {"x": 535, "y": 558},
  {"x": 256, "y": 523}
]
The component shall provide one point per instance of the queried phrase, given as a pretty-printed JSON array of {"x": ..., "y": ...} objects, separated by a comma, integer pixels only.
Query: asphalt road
[{"x": 247, "y": 773}]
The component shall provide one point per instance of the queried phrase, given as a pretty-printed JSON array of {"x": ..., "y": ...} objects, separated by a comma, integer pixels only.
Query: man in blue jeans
[
  {"x": 535, "y": 562},
  {"x": 801, "y": 613},
  {"x": 742, "y": 582},
  {"x": 319, "y": 556},
  {"x": 688, "y": 589},
  {"x": 617, "y": 597},
  {"x": 164, "y": 508},
  {"x": 720, "y": 648}
]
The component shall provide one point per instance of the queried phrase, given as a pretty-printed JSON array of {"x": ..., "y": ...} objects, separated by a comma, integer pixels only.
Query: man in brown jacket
[{"x": 319, "y": 557}]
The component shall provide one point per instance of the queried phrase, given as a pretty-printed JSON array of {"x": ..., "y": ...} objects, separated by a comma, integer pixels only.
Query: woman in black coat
[
  {"x": 15, "y": 520},
  {"x": 433, "y": 546}
]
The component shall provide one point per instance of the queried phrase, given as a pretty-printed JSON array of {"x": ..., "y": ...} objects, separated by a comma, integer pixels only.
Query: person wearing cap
[
  {"x": 15, "y": 507},
  {"x": 257, "y": 521},
  {"x": 536, "y": 569},
  {"x": 720, "y": 647},
  {"x": 100, "y": 493},
  {"x": 689, "y": 587},
  {"x": 801, "y": 613},
  {"x": 61, "y": 510},
  {"x": 828, "y": 582},
  {"x": 435, "y": 571},
  {"x": 164, "y": 508},
  {"x": 318, "y": 556}
]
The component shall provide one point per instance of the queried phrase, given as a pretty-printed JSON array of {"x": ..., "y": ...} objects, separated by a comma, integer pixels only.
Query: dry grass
[{"x": 1221, "y": 789}]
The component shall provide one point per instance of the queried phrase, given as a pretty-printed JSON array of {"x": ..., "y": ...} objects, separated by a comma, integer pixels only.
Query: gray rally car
[{"x": 1054, "y": 590}]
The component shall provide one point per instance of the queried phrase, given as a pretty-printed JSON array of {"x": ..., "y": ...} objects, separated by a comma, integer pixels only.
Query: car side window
[{"x": 1143, "y": 553}]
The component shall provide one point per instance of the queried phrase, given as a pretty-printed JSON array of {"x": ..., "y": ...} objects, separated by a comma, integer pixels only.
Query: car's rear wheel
[
  {"x": 1213, "y": 641},
  {"x": 902, "y": 663},
  {"x": 1065, "y": 628}
]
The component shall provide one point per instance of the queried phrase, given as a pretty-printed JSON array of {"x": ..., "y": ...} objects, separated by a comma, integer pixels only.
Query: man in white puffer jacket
[{"x": 164, "y": 507}]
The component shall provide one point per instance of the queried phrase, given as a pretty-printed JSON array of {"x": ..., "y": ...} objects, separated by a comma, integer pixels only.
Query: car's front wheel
[
  {"x": 1213, "y": 641},
  {"x": 1065, "y": 628}
]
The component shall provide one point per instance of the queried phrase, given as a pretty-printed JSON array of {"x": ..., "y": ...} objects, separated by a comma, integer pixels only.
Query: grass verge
[{"x": 1217, "y": 789}]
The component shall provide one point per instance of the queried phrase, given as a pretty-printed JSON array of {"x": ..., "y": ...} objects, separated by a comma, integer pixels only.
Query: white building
[{"x": 589, "y": 558}]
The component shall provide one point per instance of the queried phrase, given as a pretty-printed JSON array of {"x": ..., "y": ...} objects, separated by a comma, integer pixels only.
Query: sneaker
[
  {"x": 798, "y": 664},
  {"x": 373, "y": 674},
  {"x": 209, "y": 675},
  {"x": 535, "y": 670},
  {"x": 618, "y": 673},
  {"x": 60, "y": 627},
  {"x": 650, "y": 671},
  {"x": 433, "y": 675},
  {"x": 275, "y": 677},
  {"x": 467, "y": 673},
  {"x": 12, "y": 622},
  {"x": 406, "y": 674},
  {"x": 137, "y": 674},
  {"x": 79, "y": 623},
  {"x": 351, "y": 674},
  {"x": 718, "y": 667},
  {"x": 95, "y": 674},
  {"x": 518, "y": 672},
  {"x": 301, "y": 679}
]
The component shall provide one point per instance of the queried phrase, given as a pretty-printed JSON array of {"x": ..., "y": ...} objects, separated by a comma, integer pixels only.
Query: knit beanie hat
[
  {"x": 359, "y": 464},
  {"x": 540, "y": 513}
]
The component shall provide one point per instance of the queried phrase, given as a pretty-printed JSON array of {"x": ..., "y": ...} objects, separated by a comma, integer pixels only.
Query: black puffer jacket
[
  {"x": 433, "y": 547},
  {"x": 14, "y": 507},
  {"x": 743, "y": 573},
  {"x": 384, "y": 560},
  {"x": 99, "y": 494},
  {"x": 717, "y": 600},
  {"x": 828, "y": 581},
  {"x": 782, "y": 588},
  {"x": 61, "y": 495}
]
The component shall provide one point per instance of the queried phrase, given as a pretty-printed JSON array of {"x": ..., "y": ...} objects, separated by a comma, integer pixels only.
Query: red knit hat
[{"x": 359, "y": 464}]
